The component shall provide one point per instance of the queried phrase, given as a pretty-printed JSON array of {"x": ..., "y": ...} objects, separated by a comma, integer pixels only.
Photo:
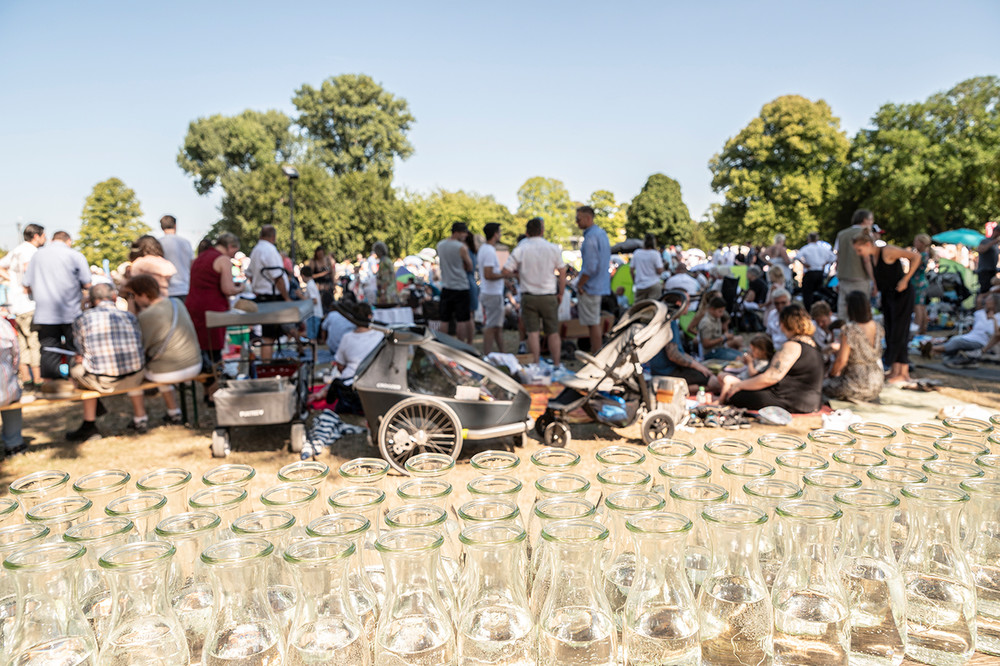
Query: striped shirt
[{"x": 109, "y": 340}]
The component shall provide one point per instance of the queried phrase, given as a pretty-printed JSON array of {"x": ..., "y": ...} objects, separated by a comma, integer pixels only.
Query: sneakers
[
  {"x": 86, "y": 432},
  {"x": 173, "y": 419},
  {"x": 140, "y": 428}
]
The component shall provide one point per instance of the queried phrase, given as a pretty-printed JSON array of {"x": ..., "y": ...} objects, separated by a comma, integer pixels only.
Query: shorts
[
  {"x": 588, "y": 309},
  {"x": 455, "y": 305},
  {"x": 103, "y": 384},
  {"x": 540, "y": 311},
  {"x": 270, "y": 331},
  {"x": 492, "y": 310},
  {"x": 27, "y": 339}
]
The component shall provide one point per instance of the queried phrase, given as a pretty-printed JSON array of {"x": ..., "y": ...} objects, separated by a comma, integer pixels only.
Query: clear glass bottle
[
  {"x": 871, "y": 577},
  {"x": 227, "y": 502},
  {"x": 495, "y": 485},
  {"x": 171, "y": 482},
  {"x": 367, "y": 501},
  {"x": 540, "y": 570},
  {"x": 968, "y": 428},
  {"x": 872, "y": 436},
  {"x": 990, "y": 465},
  {"x": 276, "y": 527},
  {"x": 820, "y": 486},
  {"x": 489, "y": 510},
  {"x": 551, "y": 459},
  {"x": 8, "y": 510},
  {"x": 767, "y": 494},
  {"x": 12, "y": 539},
  {"x": 681, "y": 471},
  {"x": 312, "y": 472},
  {"x": 737, "y": 473},
  {"x": 495, "y": 462},
  {"x": 60, "y": 514},
  {"x": 662, "y": 450},
  {"x": 891, "y": 479},
  {"x": 734, "y": 609},
  {"x": 823, "y": 442},
  {"x": 576, "y": 625},
  {"x": 495, "y": 626},
  {"x": 429, "y": 465},
  {"x": 551, "y": 486},
  {"x": 431, "y": 491},
  {"x": 690, "y": 499},
  {"x": 857, "y": 462},
  {"x": 299, "y": 499},
  {"x": 145, "y": 510},
  {"x": 983, "y": 548},
  {"x": 229, "y": 475},
  {"x": 615, "y": 456},
  {"x": 436, "y": 519},
  {"x": 811, "y": 615},
  {"x": 326, "y": 629},
  {"x": 143, "y": 627},
  {"x": 958, "y": 449},
  {"x": 792, "y": 466},
  {"x": 773, "y": 444},
  {"x": 940, "y": 586},
  {"x": 722, "y": 449},
  {"x": 660, "y": 618},
  {"x": 243, "y": 630},
  {"x": 614, "y": 479},
  {"x": 415, "y": 627},
  {"x": 189, "y": 585},
  {"x": 49, "y": 627},
  {"x": 950, "y": 474},
  {"x": 102, "y": 486},
  {"x": 923, "y": 434},
  {"x": 38, "y": 487},
  {"x": 364, "y": 470},
  {"x": 909, "y": 455}
]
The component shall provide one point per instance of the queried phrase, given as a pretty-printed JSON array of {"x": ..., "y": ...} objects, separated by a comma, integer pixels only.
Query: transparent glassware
[
  {"x": 722, "y": 449},
  {"x": 312, "y": 472},
  {"x": 690, "y": 499},
  {"x": 552, "y": 486},
  {"x": 8, "y": 510},
  {"x": 12, "y": 539},
  {"x": 539, "y": 568},
  {"x": 622, "y": 477},
  {"x": 243, "y": 630},
  {"x": 431, "y": 491},
  {"x": 495, "y": 485},
  {"x": 38, "y": 487},
  {"x": 950, "y": 474},
  {"x": 923, "y": 434},
  {"x": 489, "y": 510},
  {"x": 227, "y": 502},
  {"x": 275, "y": 526},
  {"x": 364, "y": 470},
  {"x": 143, "y": 627},
  {"x": 429, "y": 465},
  {"x": 495, "y": 626},
  {"x": 681, "y": 471},
  {"x": 662, "y": 450},
  {"x": 968, "y": 428},
  {"x": 60, "y": 514},
  {"x": 993, "y": 441},
  {"x": 939, "y": 583},
  {"x": 94, "y": 585},
  {"x": 821, "y": 485},
  {"x": 415, "y": 627},
  {"x": 495, "y": 462},
  {"x": 767, "y": 494},
  {"x": 872, "y": 436},
  {"x": 990, "y": 465},
  {"x": 983, "y": 548},
  {"x": 811, "y": 614},
  {"x": 367, "y": 501},
  {"x": 995, "y": 422},
  {"x": 299, "y": 499},
  {"x": 660, "y": 618},
  {"x": 823, "y": 441},
  {"x": 909, "y": 454},
  {"x": 326, "y": 629},
  {"x": 551, "y": 459},
  {"x": 145, "y": 510},
  {"x": 102, "y": 486},
  {"x": 734, "y": 609},
  {"x": 189, "y": 585},
  {"x": 773, "y": 444},
  {"x": 892, "y": 479},
  {"x": 171, "y": 482},
  {"x": 959, "y": 449},
  {"x": 794, "y": 465},
  {"x": 448, "y": 556},
  {"x": 49, "y": 628},
  {"x": 871, "y": 577},
  {"x": 737, "y": 473},
  {"x": 615, "y": 456},
  {"x": 229, "y": 475},
  {"x": 576, "y": 625},
  {"x": 857, "y": 462}
]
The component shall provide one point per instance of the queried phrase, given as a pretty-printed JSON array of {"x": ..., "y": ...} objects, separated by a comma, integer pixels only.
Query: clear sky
[{"x": 597, "y": 94}]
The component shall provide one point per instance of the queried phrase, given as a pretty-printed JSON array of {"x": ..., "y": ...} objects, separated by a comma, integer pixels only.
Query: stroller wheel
[
  {"x": 557, "y": 434},
  {"x": 542, "y": 422},
  {"x": 657, "y": 425},
  {"x": 418, "y": 425}
]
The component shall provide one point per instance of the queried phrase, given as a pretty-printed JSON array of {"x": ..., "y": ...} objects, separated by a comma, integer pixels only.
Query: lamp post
[{"x": 292, "y": 174}]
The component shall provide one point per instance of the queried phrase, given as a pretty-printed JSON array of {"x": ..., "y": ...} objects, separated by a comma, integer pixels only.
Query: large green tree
[
  {"x": 110, "y": 222},
  {"x": 780, "y": 172},
  {"x": 549, "y": 199},
  {"x": 431, "y": 216},
  {"x": 659, "y": 209},
  {"x": 609, "y": 214}
]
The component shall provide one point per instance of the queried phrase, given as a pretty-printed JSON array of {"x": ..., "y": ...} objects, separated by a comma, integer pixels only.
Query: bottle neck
[
  {"x": 323, "y": 591},
  {"x": 493, "y": 575},
  {"x": 867, "y": 533},
  {"x": 241, "y": 585},
  {"x": 808, "y": 550},
  {"x": 141, "y": 592},
  {"x": 734, "y": 550},
  {"x": 409, "y": 573},
  {"x": 661, "y": 555},
  {"x": 933, "y": 523}
]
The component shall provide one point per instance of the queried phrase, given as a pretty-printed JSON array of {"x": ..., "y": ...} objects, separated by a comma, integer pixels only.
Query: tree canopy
[
  {"x": 110, "y": 222},
  {"x": 431, "y": 216},
  {"x": 608, "y": 214},
  {"x": 660, "y": 210},
  {"x": 549, "y": 199}
]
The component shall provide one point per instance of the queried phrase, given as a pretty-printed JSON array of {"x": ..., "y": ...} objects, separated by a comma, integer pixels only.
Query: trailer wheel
[
  {"x": 418, "y": 425},
  {"x": 298, "y": 437},
  {"x": 657, "y": 425},
  {"x": 220, "y": 443},
  {"x": 557, "y": 434}
]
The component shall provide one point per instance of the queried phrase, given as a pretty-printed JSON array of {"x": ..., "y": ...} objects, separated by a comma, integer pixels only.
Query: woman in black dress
[
  {"x": 793, "y": 380},
  {"x": 897, "y": 299}
]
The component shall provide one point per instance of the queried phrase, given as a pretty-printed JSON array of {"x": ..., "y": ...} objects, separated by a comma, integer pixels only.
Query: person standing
[
  {"x": 13, "y": 266},
  {"x": 177, "y": 251},
  {"x": 210, "y": 288},
  {"x": 269, "y": 282},
  {"x": 455, "y": 262},
  {"x": 595, "y": 277},
  {"x": 491, "y": 289},
  {"x": 986, "y": 269},
  {"x": 646, "y": 267},
  {"x": 854, "y": 273},
  {"x": 56, "y": 277},
  {"x": 815, "y": 258}
]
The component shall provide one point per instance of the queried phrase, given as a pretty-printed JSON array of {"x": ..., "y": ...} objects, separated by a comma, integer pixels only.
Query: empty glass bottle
[
  {"x": 940, "y": 587},
  {"x": 415, "y": 627},
  {"x": 968, "y": 428},
  {"x": 227, "y": 502},
  {"x": 660, "y": 621},
  {"x": 495, "y": 485},
  {"x": 326, "y": 629},
  {"x": 312, "y": 472},
  {"x": 229, "y": 475},
  {"x": 489, "y": 510},
  {"x": 614, "y": 456},
  {"x": 792, "y": 466},
  {"x": 575, "y": 623},
  {"x": 276, "y": 527},
  {"x": 143, "y": 627},
  {"x": 990, "y": 465},
  {"x": 39, "y": 487},
  {"x": 171, "y": 482},
  {"x": 551, "y": 486},
  {"x": 495, "y": 462},
  {"x": 821, "y": 485},
  {"x": 983, "y": 548},
  {"x": 102, "y": 486},
  {"x": 690, "y": 499},
  {"x": 298, "y": 499},
  {"x": 429, "y": 465},
  {"x": 734, "y": 610},
  {"x": 8, "y": 510},
  {"x": 773, "y": 444},
  {"x": 737, "y": 473},
  {"x": 367, "y": 501},
  {"x": 681, "y": 471},
  {"x": 243, "y": 630},
  {"x": 13, "y": 538},
  {"x": 448, "y": 557},
  {"x": 145, "y": 510},
  {"x": 958, "y": 449},
  {"x": 950, "y": 474},
  {"x": 551, "y": 459},
  {"x": 909, "y": 455},
  {"x": 767, "y": 494},
  {"x": 434, "y": 492},
  {"x": 662, "y": 450},
  {"x": 811, "y": 616},
  {"x": 624, "y": 477},
  {"x": 722, "y": 449},
  {"x": 872, "y": 436},
  {"x": 892, "y": 479},
  {"x": 923, "y": 434},
  {"x": 823, "y": 442},
  {"x": 871, "y": 577},
  {"x": 857, "y": 462},
  {"x": 60, "y": 514},
  {"x": 364, "y": 470},
  {"x": 540, "y": 570}
]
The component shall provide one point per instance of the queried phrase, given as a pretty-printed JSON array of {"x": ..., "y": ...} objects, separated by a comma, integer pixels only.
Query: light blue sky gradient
[{"x": 598, "y": 95}]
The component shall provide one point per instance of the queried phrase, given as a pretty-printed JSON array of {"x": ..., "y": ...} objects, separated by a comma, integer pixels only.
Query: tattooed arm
[
  {"x": 782, "y": 361},
  {"x": 680, "y": 359}
]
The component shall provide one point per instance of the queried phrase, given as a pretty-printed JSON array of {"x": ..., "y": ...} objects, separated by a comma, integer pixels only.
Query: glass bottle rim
[
  {"x": 993, "y": 439},
  {"x": 779, "y": 441},
  {"x": 659, "y": 523},
  {"x": 954, "y": 470},
  {"x": 909, "y": 451},
  {"x": 38, "y": 482},
  {"x": 673, "y": 469},
  {"x": 339, "y": 525},
  {"x": 7, "y": 507},
  {"x": 187, "y": 523},
  {"x": 102, "y": 481},
  {"x": 793, "y": 460},
  {"x": 936, "y": 494},
  {"x": 623, "y": 475},
  {"x": 232, "y": 474},
  {"x": 312, "y": 472},
  {"x": 137, "y": 555},
  {"x": 495, "y": 461},
  {"x": 427, "y": 488},
  {"x": 505, "y": 485},
  {"x": 871, "y": 430},
  {"x": 580, "y": 484},
  {"x": 409, "y": 540},
  {"x": 13, "y": 537},
  {"x": 435, "y": 516},
  {"x": 698, "y": 491},
  {"x": 808, "y": 510},
  {"x": 733, "y": 468},
  {"x": 865, "y": 498},
  {"x": 372, "y": 495},
  {"x": 429, "y": 464},
  {"x": 59, "y": 509},
  {"x": 728, "y": 447},
  {"x": 164, "y": 479},
  {"x": 306, "y": 494},
  {"x": 980, "y": 486},
  {"x": 967, "y": 424},
  {"x": 960, "y": 447},
  {"x": 99, "y": 529},
  {"x": 772, "y": 489},
  {"x": 663, "y": 449},
  {"x": 859, "y": 458},
  {"x": 734, "y": 515},
  {"x": 579, "y": 532},
  {"x": 318, "y": 550},
  {"x": 492, "y": 534},
  {"x": 44, "y": 556},
  {"x": 826, "y": 478},
  {"x": 236, "y": 552},
  {"x": 830, "y": 437},
  {"x": 995, "y": 420},
  {"x": 268, "y": 522},
  {"x": 544, "y": 509},
  {"x": 508, "y": 509},
  {"x": 991, "y": 461},
  {"x": 884, "y": 474},
  {"x": 554, "y": 458},
  {"x": 218, "y": 497},
  {"x": 364, "y": 470},
  {"x": 136, "y": 505},
  {"x": 634, "y": 501},
  {"x": 619, "y": 456},
  {"x": 922, "y": 430}
]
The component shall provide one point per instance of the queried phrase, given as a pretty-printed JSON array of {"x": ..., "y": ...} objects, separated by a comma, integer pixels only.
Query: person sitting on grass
[
  {"x": 759, "y": 357},
  {"x": 716, "y": 341},
  {"x": 985, "y": 334},
  {"x": 822, "y": 316},
  {"x": 857, "y": 373},
  {"x": 781, "y": 299}
]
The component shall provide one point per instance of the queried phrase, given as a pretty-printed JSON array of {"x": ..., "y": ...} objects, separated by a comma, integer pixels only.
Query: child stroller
[{"x": 612, "y": 388}]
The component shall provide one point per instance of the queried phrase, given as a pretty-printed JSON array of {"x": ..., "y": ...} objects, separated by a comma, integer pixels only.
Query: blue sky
[{"x": 598, "y": 95}]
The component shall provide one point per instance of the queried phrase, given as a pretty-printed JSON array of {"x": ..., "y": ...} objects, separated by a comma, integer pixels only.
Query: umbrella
[
  {"x": 630, "y": 245},
  {"x": 403, "y": 275},
  {"x": 966, "y": 237}
]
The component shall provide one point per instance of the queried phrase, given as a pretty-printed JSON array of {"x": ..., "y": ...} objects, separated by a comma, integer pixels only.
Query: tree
[
  {"x": 659, "y": 209},
  {"x": 608, "y": 214},
  {"x": 431, "y": 216},
  {"x": 780, "y": 171},
  {"x": 111, "y": 221},
  {"x": 549, "y": 199},
  {"x": 354, "y": 124}
]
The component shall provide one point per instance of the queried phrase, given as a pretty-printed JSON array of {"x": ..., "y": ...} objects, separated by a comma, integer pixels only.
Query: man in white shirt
[
  {"x": 269, "y": 282},
  {"x": 816, "y": 258},
  {"x": 355, "y": 346},
  {"x": 984, "y": 335},
  {"x": 177, "y": 251},
  {"x": 542, "y": 275},
  {"x": 13, "y": 266},
  {"x": 780, "y": 300},
  {"x": 491, "y": 289},
  {"x": 646, "y": 267},
  {"x": 683, "y": 280}
]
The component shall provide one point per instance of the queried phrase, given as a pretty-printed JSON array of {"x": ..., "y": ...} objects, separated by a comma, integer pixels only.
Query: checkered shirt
[{"x": 109, "y": 340}]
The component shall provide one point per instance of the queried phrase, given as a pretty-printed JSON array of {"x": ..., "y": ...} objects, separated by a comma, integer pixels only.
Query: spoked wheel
[
  {"x": 557, "y": 434},
  {"x": 657, "y": 425},
  {"x": 418, "y": 425}
]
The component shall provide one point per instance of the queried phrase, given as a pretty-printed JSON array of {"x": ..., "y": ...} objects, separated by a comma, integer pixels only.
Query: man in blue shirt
[{"x": 595, "y": 275}]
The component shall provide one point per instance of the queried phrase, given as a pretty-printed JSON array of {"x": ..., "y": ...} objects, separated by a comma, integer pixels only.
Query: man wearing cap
[
  {"x": 854, "y": 273},
  {"x": 455, "y": 263},
  {"x": 595, "y": 275}
]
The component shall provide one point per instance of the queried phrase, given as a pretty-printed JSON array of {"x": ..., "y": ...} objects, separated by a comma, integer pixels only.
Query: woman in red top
[{"x": 211, "y": 286}]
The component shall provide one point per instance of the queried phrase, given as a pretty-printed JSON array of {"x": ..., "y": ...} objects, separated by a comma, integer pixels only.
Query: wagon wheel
[
  {"x": 658, "y": 424},
  {"x": 418, "y": 425}
]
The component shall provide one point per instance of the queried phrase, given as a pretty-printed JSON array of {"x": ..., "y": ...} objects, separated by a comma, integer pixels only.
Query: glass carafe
[
  {"x": 326, "y": 629},
  {"x": 794, "y": 465},
  {"x": 618, "y": 562},
  {"x": 734, "y": 609},
  {"x": 415, "y": 627},
  {"x": 489, "y": 510},
  {"x": 892, "y": 479},
  {"x": 435, "y": 492},
  {"x": 429, "y": 465},
  {"x": 8, "y": 510},
  {"x": 551, "y": 486},
  {"x": 576, "y": 625},
  {"x": 495, "y": 485},
  {"x": 950, "y": 474},
  {"x": 143, "y": 627},
  {"x": 243, "y": 630},
  {"x": 448, "y": 556},
  {"x": 681, "y": 471},
  {"x": 662, "y": 450},
  {"x": 622, "y": 477},
  {"x": 39, "y": 487},
  {"x": 49, "y": 627},
  {"x": 940, "y": 587},
  {"x": 773, "y": 444},
  {"x": 171, "y": 482},
  {"x": 367, "y": 501},
  {"x": 958, "y": 449},
  {"x": 871, "y": 577},
  {"x": 540, "y": 569},
  {"x": 820, "y": 486},
  {"x": 227, "y": 502},
  {"x": 824, "y": 442},
  {"x": 872, "y": 436},
  {"x": 614, "y": 456},
  {"x": 495, "y": 462},
  {"x": 737, "y": 473},
  {"x": 276, "y": 527},
  {"x": 983, "y": 547},
  {"x": 909, "y": 455},
  {"x": 551, "y": 459},
  {"x": 722, "y": 449},
  {"x": 690, "y": 499},
  {"x": 312, "y": 472},
  {"x": 857, "y": 462},
  {"x": 298, "y": 499},
  {"x": 923, "y": 433},
  {"x": 13, "y": 538},
  {"x": 811, "y": 616},
  {"x": 102, "y": 486},
  {"x": 968, "y": 428},
  {"x": 990, "y": 464},
  {"x": 495, "y": 626},
  {"x": 364, "y": 470},
  {"x": 660, "y": 619},
  {"x": 229, "y": 475},
  {"x": 60, "y": 514},
  {"x": 767, "y": 494},
  {"x": 145, "y": 510}
]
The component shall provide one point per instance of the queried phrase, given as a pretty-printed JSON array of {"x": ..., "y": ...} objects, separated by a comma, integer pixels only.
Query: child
[
  {"x": 312, "y": 293},
  {"x": 822, "y": 316},
  {"x": 759, "y": 357},
  {"x": 621, "y": 298},
  {"x": 715, "y": 340}
]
